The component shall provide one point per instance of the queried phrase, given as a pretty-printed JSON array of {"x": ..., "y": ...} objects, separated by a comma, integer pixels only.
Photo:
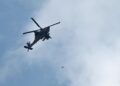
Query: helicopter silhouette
[{"x": 40, "y": 34}]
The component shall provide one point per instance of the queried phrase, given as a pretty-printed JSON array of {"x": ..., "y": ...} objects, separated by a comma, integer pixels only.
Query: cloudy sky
[{"x": 86, "y": 43}]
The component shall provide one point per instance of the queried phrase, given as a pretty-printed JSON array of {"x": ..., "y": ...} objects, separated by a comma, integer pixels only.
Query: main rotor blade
[
  {"x": 54, "y": 24},
  {"x": 36, "y": 23},
  {"x": 39, "y": 26},
  {"x": 29, "y": 32}
]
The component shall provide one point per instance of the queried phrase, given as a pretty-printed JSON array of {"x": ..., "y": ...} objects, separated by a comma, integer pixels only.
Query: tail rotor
[{"x": 28, "y": 47}]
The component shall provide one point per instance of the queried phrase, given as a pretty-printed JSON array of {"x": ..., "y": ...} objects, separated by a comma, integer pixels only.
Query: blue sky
[
  {"x": 86, "y": 43},
  {"x": 14, "y": 16},
  {"x": 12, "y": 11}
]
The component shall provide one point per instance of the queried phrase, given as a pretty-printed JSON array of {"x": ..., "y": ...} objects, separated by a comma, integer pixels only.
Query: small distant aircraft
[{"x": 42, "y": 33}]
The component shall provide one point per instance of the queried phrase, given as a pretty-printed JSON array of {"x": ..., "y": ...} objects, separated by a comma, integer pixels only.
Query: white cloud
[{"x": 87, "y": 38}]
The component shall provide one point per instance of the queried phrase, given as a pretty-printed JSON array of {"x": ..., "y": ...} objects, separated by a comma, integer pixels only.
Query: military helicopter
[{"x": 40, "y": 34}]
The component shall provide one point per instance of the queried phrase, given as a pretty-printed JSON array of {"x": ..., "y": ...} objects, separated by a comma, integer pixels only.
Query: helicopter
[{"x": 40, "y": 34}]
